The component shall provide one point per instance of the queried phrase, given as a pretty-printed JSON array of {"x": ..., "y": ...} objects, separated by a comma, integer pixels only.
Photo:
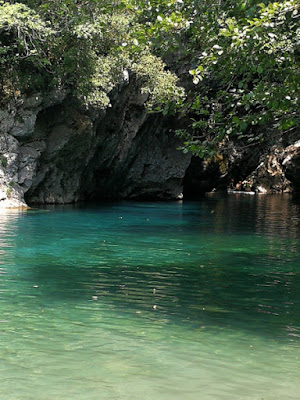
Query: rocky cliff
[
  {"x": 54, "y": 150},
  {"x": 271, "y": 167}
]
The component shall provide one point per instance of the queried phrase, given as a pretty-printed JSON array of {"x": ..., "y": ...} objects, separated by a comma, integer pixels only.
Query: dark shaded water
[{"x": 151, "y": 300}]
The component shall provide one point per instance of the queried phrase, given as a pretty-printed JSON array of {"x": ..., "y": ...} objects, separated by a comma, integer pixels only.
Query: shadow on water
[
  {"x": 206, "y": 296},
  {"x": 222, "y": 262}
]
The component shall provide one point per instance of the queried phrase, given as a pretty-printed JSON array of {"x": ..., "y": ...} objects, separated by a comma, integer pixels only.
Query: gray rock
[
  {"x": 55, "y": 150},
  {"x": 291, "y": 164}
]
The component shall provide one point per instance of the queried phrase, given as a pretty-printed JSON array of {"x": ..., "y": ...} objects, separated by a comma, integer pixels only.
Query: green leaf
[
  {"x": 243, "y": 125},
  {"x": 260, "y": 69}
]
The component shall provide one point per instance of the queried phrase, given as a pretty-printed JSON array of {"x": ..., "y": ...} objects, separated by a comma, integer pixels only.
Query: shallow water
[{"x": 140, "y": 301}]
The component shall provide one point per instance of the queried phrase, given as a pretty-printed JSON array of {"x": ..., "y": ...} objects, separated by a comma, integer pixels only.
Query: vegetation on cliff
[
  {"x": 242, "y": 56},
  {"x": 86, "y": 47}
]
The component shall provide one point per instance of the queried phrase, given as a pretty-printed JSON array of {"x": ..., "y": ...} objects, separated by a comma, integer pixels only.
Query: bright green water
[{"x": 194, "y": 301}]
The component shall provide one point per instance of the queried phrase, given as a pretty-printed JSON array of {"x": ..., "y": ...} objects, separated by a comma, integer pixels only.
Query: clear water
[{"x": 140, "y": 301}]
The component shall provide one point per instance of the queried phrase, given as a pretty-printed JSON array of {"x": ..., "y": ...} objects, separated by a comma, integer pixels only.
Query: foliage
[
  {"x": 247, "y": 78},
  {"x": 242, "y": 57},
  {"x": 22, "y": 34},
  {"x": 81, "y": 46}
]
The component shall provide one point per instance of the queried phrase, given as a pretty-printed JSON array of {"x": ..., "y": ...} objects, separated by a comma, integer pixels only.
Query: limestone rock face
[
  {"x": 269, "y": 177},
  {"x": 291, "y": 164},
  {"x": 19, "y": 151},
  {"x": 264, "y": 169},
  {"x": 11, "y": 194},
  {"x": 138, "y": 160},
  {"x": 54, "y": 150},
  {"x": 278, "y": 171}
]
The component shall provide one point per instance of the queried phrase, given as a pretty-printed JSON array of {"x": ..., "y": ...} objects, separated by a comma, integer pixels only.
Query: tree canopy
[
  {"x": 83, "y": 46},
  {"x": 248, "y": 77},
  {"x": 238, "y": 61}
]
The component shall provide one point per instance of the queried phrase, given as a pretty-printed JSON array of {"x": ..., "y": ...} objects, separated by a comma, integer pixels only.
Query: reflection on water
[
  {"x": 142, "y": 301},
  {"x": 265, "y": 215}
]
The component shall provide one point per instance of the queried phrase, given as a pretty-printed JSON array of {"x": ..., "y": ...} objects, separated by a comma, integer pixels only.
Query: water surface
[{"x": 140, "y": 301}]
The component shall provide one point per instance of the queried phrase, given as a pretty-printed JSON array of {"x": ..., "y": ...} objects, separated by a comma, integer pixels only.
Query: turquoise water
[{"x": 140, "y": 301}]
